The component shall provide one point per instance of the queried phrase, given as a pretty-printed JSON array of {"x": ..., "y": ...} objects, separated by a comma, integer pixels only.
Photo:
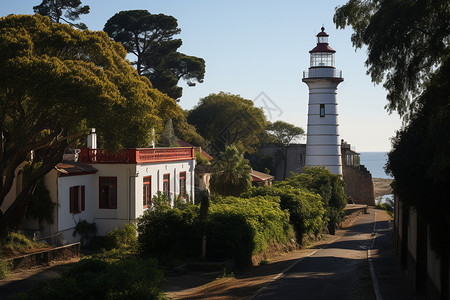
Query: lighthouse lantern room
[{"x": 322, "y": 142}]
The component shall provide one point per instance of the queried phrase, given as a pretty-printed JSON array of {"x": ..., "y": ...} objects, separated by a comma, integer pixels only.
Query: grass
[
  {"x": 5, "y": 269},
  {"x": 15, "y": 243},
  {"x": 225, "y": 275}
]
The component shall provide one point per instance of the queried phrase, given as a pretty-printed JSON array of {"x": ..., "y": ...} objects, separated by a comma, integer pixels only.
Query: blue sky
[{"x": 262, "y": 46}]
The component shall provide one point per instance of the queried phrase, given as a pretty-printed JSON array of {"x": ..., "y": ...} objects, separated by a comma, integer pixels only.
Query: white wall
[
  {"x": 108, "y": 219},
  {"x": 130, "y": 189},
  {"x": 65, "y": 219},
  {"x": 157, "y": 172},
  {"x": 129, "y": 193}
]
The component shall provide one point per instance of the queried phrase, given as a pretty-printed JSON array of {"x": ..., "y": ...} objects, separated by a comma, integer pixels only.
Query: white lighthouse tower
[{"x": 322, "y": 78}]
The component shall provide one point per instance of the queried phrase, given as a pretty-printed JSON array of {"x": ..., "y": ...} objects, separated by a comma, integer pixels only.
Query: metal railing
[
  {"x": 322, "y": 73},
  {"x": 132, "y": 156}
]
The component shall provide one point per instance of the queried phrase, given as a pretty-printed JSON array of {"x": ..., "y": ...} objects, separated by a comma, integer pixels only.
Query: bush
[
  {"x": 170, "y": 234},
  {"x": 132, "y": 278},
  {"x": 306, "y": 209},
  {"x": 238, "y": 228},
  {"x": 122, "y": 238},
  {"x": 329, "y": 186},
  {"x": 235, "y": 228},
  {"x": 5, "y": 269}
]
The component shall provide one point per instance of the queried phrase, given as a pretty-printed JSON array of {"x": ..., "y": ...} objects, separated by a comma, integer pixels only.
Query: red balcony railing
[{"x": 133, "y": 156}]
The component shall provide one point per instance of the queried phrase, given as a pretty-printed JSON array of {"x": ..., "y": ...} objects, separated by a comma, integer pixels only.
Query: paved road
[{"x": 341, "y": 270}]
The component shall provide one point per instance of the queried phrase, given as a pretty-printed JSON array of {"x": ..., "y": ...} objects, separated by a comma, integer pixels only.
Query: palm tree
[{"x": 231, "y": 173}]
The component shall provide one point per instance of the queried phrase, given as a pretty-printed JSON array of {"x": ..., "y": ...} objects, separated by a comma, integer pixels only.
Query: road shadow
[{"x": 14, "y": 284}]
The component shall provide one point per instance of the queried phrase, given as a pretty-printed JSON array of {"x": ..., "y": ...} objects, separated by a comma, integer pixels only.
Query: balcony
[
  {"x": 136, "y": 156},
  {"x": 322, "y": 73}
]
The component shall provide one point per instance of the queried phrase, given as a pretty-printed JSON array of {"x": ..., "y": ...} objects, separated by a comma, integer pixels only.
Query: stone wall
[{"x": 359, "y": 185}]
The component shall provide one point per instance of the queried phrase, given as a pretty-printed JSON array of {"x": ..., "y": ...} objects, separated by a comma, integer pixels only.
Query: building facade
[{"x": 111, "y": 189}]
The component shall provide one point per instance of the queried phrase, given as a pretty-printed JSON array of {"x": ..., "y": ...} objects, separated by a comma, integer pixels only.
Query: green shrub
[
  {"x": 132, "y": 278},
  {"x": 329, "y": 186},
  {"x": 235, "y": 228},
  {"x": 262, "y": 214},
  {"x": 124, "y": 238},
  {"x": 5, "y": 269},
  {"x": 169, "y": 234},
  {"x": 229, "y": 235},
  {"x": 86, "y": 231},
  {"x": 306, "y": 209}
]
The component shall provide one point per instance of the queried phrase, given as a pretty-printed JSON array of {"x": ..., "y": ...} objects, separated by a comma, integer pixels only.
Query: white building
[
  {"x": 111, "y": 189},
  {"x": 322, "y": 142}
]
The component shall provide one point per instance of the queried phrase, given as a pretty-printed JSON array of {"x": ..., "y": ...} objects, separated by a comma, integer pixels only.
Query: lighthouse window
[{"x": 322, "y": 110}]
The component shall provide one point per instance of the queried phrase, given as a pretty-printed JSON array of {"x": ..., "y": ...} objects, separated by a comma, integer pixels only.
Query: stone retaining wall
[
  {"x": 359, "y": 185},
  {"x": 44, "y": 257}
]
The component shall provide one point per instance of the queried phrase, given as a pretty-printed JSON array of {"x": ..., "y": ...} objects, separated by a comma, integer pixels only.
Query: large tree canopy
[
  {"x": 224, "y": 119},
  {"x": 54, "y": 9},
  {"x": 406, "y": 42},
  {"x": 409, "y": 48},
  {"x": 284, "y": 133},
  {"x": 55, "y": 83},
  {"x": 150, "y": 38}
]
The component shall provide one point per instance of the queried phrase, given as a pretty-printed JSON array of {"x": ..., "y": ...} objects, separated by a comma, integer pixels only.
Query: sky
[{"x": 259, "y": 49}]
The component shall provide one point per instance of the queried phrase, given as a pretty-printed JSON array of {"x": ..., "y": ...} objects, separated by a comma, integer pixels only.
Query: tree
[
  {"x": 150, "y": 38},
  {"x": 231, "y": 173},
  {"x": 420, "y": 161},
  {"x": 56, "y": 82},
  {"x": 402, "y": 53},
  {"x": 284, "y": 134},
  {"x": 168, "y": 137},
  {"x": 408, "y": 48},
  {"x": 329, "y": 186},
  {"x": 187, "y": 132},
  {"x": 54, "y": 9},
  {"x": 224, "y": 119}
]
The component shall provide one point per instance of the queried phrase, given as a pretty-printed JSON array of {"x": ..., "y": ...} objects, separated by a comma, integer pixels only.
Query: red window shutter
[
  {"x": 82, "y": 198},
  {"x": 72, "y": 199}
]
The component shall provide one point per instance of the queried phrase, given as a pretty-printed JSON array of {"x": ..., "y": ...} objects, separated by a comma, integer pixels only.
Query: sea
[{"x": 375, "y": 162}]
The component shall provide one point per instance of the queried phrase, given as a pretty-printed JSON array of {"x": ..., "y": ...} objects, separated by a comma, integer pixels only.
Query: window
[
  {"x": 147, "y": 195},
  {"x": 108, "y": 192},
  {"x": 166, "y": 185},
  {"x": 183, "y": 184},
  {"x": 77, "y": 199},
  {"x": 322, "y": 110}
]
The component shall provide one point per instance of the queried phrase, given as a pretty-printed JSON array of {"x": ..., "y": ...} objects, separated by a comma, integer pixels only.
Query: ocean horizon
[{"x": 375, "y": 162}]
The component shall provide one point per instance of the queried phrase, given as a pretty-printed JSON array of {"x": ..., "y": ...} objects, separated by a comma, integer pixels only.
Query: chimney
[{"x": 92, "y": 140}]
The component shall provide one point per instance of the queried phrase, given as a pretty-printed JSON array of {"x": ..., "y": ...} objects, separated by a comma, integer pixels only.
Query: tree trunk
[{"x": 13, "y": 217}]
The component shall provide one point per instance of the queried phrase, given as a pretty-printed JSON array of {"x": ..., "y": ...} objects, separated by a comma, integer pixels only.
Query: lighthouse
[{"x": 322, "y": 140}]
